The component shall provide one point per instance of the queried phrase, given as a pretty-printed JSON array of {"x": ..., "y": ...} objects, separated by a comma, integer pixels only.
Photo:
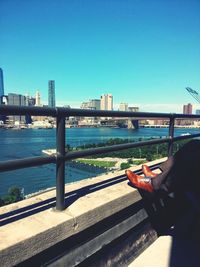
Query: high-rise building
[
  {"x": 123, "y": 107},
  {"x": 1, "y": 85},
  {"x": 107, "y": 102},
  {"x": 85, "y": 105},
  {"x": 37, "y": 99},
  {"x": 27, "y": 99},
  {"x": 187, "y": 109},
  {"x": 197, "y": 111},
  {"x": 95, "y": 104},
  {"x": 18, "y": 100},
  {"x": 51, "y": 95},
  {"x": 15, "y": 99}
]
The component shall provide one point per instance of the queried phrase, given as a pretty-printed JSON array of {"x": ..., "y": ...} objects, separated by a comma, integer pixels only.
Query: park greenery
[
  {"x": 14, "y": 195},
  {"x": 129, "y": 163},
  {"x": 98, "y": 163},
  {"x": 148, "y": 152},
  {"x": 141, "y": 155}
]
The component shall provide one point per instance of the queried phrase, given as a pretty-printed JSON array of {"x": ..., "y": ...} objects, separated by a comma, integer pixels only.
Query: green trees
[
  {"x": 149, "y": 152},
  {"x": 125, "y": 165},
  {"x": 14, "y": 195}
]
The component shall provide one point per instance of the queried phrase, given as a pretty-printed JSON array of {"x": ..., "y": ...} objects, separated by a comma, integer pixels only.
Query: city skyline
[
  {"x": 142, "y": 52},
  {"x": 84, "y": 104},
  {"x": 105, "y": 102}
]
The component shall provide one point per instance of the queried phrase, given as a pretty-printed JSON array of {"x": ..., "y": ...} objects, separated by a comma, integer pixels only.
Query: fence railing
[{"x": 62, "y": 156}]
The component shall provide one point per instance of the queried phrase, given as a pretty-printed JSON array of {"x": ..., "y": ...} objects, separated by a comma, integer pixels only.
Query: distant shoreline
[{"x": 24, "y": 127}]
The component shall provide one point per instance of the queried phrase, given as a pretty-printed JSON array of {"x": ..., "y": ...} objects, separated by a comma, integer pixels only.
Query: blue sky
[{"x": 144, "y": 52}]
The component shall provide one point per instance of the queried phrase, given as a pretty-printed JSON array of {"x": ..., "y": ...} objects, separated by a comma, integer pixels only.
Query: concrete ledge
[
  {"x": 158, "y": 254},
  {"x": 24, "y": 238}
]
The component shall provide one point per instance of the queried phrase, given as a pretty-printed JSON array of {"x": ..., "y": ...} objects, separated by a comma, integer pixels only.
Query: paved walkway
[{"x": 181, "y": 248}]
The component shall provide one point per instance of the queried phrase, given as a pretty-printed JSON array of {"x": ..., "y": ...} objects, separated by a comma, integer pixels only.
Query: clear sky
[{"x": 144, "y": 52}]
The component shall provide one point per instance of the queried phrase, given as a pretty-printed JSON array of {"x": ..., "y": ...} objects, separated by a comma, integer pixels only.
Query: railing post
[
  {"x": 171, "y": 135},
  {"x": 60, "y": 164}
]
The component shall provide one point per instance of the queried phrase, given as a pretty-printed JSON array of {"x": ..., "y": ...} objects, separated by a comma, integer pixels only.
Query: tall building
[
  {"x": 187, "y": 109},
  {"x": 85, "y": 105},
  {"x": 197, "y": 111},
  {"x": 123, "y": 107},
  {"x": 37, "y": 99},
  {"x": 91, "y": 104},
  {"x": 51, "y": 94},
  {"x": 17, "y": 100},
  {"x": 1, "y": 85},
  {"x": 95, "y": 104},
  {"x": 107, "y": 102}
]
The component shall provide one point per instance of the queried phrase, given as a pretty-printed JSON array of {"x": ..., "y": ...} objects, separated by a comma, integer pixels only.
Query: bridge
[
  {"x": 121, "y": 122},
  {"x": 95, "y": 222}
]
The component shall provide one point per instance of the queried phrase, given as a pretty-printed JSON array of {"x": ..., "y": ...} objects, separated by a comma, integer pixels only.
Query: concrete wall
[{"x": 105, "y": 222}]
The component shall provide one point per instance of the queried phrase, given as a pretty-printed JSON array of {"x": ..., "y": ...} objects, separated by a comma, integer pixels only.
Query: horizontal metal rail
[
  {"x": 189, "y": 136},
  {"x": 60, "y": 157},
  {"x": 101, "y": 150},
  {"x": 67, "y": 112},
  {"x": 37, "y": 161},
  {"x": 10, "y": 165}
]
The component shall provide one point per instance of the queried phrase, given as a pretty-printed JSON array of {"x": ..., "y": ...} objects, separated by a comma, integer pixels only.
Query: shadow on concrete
[
  {"x": 185, "y": 249},
  {"x": 179, "y": 217},
  {"x": 70, "y": 198}
]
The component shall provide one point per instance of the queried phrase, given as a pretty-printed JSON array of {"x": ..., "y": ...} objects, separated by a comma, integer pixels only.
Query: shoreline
[{"x": 24, "y": 127}]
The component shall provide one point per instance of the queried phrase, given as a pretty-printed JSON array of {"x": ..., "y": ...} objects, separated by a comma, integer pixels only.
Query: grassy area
[
  {"x": 98, "y": 163},
  {"x": 138, "y": 162},
  {"x": 129, "y": 163}
]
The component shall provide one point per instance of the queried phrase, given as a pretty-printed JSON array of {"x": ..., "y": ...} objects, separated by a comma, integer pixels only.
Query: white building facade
[
  {"x": 123, "y": 107},
  {"x": 106, "y": 102},
  {"x": 37, "y": 99}
]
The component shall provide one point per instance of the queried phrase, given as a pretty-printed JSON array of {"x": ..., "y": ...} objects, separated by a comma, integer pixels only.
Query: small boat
[{"x": 185, "y": 134}]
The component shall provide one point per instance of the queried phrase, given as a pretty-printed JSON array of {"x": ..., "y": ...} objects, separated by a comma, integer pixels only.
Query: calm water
[{"x": 16, "y": 144}]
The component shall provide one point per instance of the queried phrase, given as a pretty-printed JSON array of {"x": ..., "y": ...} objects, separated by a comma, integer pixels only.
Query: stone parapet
[{"x": 32, "y": 227}]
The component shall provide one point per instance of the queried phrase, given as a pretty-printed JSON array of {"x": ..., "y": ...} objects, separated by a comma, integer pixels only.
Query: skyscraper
[
  {"x": 107, "y": 102},
  {"x": 1, "y": 85},
  {"x": 95, "y": 104},
  {"x": 187, "y": 109},
  {"x": 51, "y": 95},
  {"x": 17, "y": 100},
  {"x": 37, "y": 99}
]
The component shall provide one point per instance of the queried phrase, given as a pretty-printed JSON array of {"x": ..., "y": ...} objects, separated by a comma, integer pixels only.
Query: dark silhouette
[{"x": 180, "y": 173}]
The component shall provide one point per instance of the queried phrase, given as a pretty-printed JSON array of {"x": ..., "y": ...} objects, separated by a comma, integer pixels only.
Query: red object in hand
[
  {"x": 139, "y": 181},
  {"x": 147, "y": 171}
]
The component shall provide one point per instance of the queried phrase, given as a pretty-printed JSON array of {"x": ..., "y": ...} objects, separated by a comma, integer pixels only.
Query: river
[{"x": 17, "y": 144}]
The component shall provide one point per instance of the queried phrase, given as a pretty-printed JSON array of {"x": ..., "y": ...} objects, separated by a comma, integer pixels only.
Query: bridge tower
[{"x": 133, "y": 124}]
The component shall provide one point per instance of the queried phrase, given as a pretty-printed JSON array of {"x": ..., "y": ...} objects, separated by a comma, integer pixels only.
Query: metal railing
[{"x": 61, "y": 156}]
